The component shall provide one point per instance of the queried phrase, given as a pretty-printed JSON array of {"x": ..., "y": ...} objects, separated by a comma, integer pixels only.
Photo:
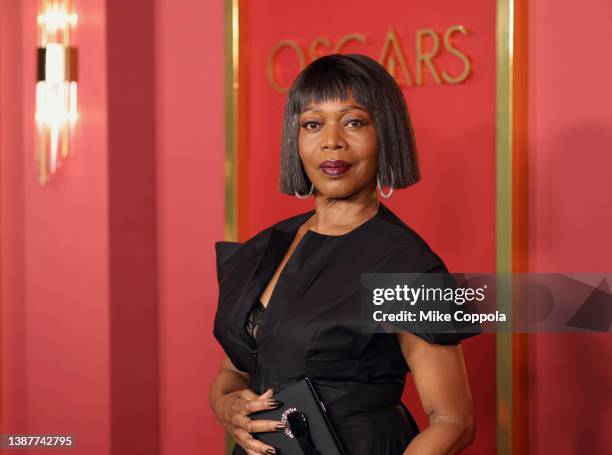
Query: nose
[{"x": 332, "y": 138}]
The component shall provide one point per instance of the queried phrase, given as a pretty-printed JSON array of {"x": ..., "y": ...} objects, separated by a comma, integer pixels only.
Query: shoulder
[
  {"x": 409, "y": 251},
  {"x": 229, "y": 253},
  {"x": 288, "y": 225}
]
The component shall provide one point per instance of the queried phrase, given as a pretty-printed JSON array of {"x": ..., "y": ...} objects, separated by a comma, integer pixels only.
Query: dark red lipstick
[{"x": 334, "y": 168}]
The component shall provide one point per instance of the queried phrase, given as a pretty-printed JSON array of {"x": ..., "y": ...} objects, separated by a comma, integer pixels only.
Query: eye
[
  {"x": 310, "y": 125},
  {"x": 355, "y": 123}
]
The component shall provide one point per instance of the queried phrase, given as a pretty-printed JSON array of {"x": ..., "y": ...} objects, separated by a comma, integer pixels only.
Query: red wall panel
[
  {"x": 570, "y": 213},
  {"x": 55, "y": 314},
  {"x": 12, "y": 320},
  {"x": 117, "y": 250},
  {"x": 190, "y": 169}
]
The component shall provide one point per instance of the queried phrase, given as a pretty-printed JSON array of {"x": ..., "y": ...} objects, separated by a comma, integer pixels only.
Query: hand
[{"x": 232, "y": 411}]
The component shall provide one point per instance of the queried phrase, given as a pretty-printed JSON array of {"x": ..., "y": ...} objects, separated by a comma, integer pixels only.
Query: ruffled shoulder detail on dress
[{"x": 224, "y": 251}]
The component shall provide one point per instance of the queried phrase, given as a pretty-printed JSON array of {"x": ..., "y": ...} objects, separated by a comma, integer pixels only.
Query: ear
[{"x": 224, "y": 251}]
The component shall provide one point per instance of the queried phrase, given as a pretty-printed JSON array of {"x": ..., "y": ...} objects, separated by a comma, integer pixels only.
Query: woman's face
[{"x": 338, "y": 147}]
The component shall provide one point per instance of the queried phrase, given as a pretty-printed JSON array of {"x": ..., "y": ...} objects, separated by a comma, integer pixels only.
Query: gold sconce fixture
[{"x": 56, "y": 85}]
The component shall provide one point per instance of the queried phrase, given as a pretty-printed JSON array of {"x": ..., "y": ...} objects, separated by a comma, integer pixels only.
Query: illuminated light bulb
[{"x": 56, "y": 110}]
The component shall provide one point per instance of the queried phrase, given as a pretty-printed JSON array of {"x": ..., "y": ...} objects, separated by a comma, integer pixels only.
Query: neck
[{"x": 338, "y": 216}]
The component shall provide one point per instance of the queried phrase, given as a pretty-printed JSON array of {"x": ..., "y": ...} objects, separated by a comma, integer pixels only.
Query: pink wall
[
  {"x": 55, "y": 313},
  {"x": 108, "y": 276},
  {"x": 570, "y": 139},
  {"x": 12, "y": 317},
  {"x": 190, "y": 148}
]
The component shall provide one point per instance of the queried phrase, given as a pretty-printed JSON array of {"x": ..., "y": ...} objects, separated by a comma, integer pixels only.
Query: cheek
[
  {"x": 373, "y": 143},
  {"x": 307, "y": 145},
  {"x": 367, "y": 154},
  {"x": 366, "y": 146}
]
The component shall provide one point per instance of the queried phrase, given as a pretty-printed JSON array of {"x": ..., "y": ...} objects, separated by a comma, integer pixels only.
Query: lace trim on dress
[{"x": 255, "y": 318}]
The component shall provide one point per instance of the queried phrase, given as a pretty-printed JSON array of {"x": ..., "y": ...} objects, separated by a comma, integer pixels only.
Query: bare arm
[
  {"x": 232, "y": 401},
  {"x": 229, "y": 379},
  {"x": 442, "y": 384}
]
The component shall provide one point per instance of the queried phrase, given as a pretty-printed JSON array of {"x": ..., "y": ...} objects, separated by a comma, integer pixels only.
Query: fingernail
[
  {"x": 271, "y": 451},
  {"x": 274, "y": 403},
  {"x": 280, "y": 427}
]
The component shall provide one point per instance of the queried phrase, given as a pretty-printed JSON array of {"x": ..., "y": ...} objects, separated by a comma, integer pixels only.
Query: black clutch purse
[{"x": 308, "y": 428}]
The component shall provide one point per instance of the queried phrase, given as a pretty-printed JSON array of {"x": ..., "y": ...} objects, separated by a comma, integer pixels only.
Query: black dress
[{"x": 311, "y": 325}]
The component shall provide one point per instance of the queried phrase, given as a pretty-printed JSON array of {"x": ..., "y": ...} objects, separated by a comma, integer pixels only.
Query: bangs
[{"x": 326, "y": 80}]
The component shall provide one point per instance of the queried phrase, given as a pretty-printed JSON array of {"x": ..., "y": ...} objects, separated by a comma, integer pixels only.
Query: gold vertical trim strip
[
  {"x": 231, "y": 118},
  {"x": 232, "y": 22},
  {"x": 229, "y": 443},
  {"x": 504, "y": 59}
]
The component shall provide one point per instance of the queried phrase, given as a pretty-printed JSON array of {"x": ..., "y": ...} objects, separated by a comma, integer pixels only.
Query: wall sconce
[{"x": 56, "y": 85}]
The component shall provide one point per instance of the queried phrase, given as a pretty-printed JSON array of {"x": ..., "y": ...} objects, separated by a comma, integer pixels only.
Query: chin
[
  {"x": 337, "y": 194},
  {"x": 331, "y": 190}
]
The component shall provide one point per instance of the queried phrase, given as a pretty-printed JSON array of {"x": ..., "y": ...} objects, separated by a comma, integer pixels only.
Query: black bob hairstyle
[{"x": 331, "y": 78}]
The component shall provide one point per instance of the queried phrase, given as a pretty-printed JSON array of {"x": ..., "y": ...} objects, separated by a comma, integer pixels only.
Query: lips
[{"x": 334, "y": 168}]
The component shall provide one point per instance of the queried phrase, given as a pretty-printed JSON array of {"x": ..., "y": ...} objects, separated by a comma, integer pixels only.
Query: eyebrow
[{"x": 344, "y": 109}]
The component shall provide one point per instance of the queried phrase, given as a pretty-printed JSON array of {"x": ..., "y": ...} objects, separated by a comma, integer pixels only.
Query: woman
[{"x": 289, "y": 296}]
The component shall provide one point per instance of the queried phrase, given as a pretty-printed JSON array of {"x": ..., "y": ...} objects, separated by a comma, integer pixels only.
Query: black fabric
[
  {"x": 224, "y": 250},
  {"x": 311, "y": 326}
]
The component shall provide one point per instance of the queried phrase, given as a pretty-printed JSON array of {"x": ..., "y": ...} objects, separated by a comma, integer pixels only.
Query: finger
[
  {"x": 240, "y": 443},
  {"x": 266, "y": 395},
  {"x": 251, "y": 406},
  {"x": 251, "y": 452},
  {"x": 248, "y": 394},
  {"x": 250, "y": 443},
  {"x": 260, "y": 426}
]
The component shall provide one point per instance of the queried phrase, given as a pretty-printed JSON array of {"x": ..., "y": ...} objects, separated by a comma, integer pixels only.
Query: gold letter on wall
[{"x": 466, "y": 62}]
